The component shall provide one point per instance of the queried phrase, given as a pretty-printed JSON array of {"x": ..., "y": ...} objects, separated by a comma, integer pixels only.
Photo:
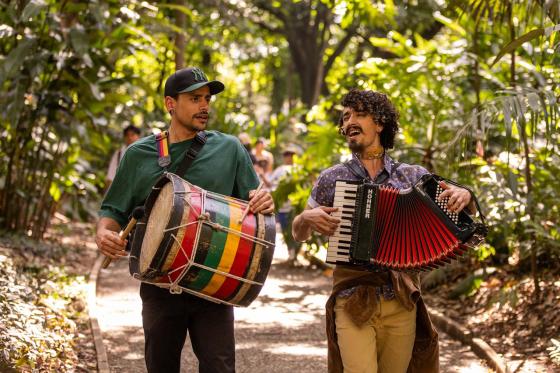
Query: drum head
[{"x": 156, "y": 224}]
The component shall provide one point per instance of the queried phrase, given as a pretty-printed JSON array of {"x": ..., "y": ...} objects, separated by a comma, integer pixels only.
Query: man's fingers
[
  {"x": 114, "y": 249},
  {"x": 260, "y": 201},
  {"x": 262, "y": 205},
  {"x": 111, "y": 245},
  {"x": 333, "y": 220},
  {"x": 252, "y": 193},
  {"x": 268, "y": 210},
  {"x": 254, "y": 196},
  {"x": 328, "y": 231},
  {"x": 446, "y": 193},
  {"x": 328, "y": 209},
  {"x": 328, "y": 225}
]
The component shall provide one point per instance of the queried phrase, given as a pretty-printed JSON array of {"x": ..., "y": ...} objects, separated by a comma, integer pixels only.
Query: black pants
[{"x": 168, "y": 317}]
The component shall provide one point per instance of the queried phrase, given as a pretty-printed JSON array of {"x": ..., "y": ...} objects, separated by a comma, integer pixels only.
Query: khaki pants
[{"x": 383, "y": 344}]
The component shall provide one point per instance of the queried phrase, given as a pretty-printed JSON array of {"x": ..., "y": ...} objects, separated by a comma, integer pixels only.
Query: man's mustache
[{"x": 202, "y": 114}]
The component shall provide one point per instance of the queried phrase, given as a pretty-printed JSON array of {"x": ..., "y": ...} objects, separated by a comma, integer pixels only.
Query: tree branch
[
  {"x": 265, "y": 5},
  {"x": 350, "y": 33}
]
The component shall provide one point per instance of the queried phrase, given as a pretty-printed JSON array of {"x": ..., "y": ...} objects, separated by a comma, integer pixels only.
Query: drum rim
[{"x": 154, "y": 268}]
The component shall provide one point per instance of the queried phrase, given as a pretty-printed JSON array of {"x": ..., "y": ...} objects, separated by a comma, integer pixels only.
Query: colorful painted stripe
[
  {"x": 242, "y": 258},
  {"x": 189, "y": 234},
  {"x": 219, "y": 213},
  {"x": 252, "y": 270},
  {"x": 229, "y": 251}
]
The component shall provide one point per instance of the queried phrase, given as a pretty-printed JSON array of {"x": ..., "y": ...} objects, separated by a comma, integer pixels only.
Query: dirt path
[{"x": 281, "y": 332}]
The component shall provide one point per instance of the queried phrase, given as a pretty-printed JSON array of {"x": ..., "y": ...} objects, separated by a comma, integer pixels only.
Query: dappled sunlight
[
  {"x": 273, "y": 316},
  {"x": 286, "y": 347},
  {"x": 297, "y": 350},
  {"x": 474, "y": 368},
  {"x": 286, "y": 301},
  {"x": 125, "y": 348},
  {"x": 133, "y": 356}
]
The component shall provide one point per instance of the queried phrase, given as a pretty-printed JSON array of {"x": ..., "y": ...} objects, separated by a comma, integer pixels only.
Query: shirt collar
[{"x": 388, "y": 163}]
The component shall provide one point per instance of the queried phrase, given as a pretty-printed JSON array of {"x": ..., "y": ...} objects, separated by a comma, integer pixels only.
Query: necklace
[{"x": 374, "y": 153}]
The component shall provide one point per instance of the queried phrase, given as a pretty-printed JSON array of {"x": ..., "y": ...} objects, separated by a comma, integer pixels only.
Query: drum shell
[{"x": 180, "y": 260}]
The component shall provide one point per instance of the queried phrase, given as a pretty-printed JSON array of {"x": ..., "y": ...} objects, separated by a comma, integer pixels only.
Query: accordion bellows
[{"x": 399, "y": 229}]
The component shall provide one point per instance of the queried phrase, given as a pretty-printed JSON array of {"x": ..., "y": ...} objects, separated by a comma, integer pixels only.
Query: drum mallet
[
  {"x": 247, "y": 208},
  {"x": 137, "y": 214}
]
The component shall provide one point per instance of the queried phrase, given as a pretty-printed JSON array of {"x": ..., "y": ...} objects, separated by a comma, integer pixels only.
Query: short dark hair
[
  {"x": 381, "y": 109},
  {"x": 131, "y": 128}
]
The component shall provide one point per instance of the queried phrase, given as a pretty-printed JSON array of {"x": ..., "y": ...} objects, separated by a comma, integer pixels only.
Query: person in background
[
  {"x": 262, "y": 154},
  {"x": 245, "y": 140},
  {"x": 285, "y": 212},
  {"x": 260, "y": 168},
  {"x": 130, "y": 135}
]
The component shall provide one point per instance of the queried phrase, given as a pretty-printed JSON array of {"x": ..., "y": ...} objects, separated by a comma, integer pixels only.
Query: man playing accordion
[{"x": 376, "y": 318}]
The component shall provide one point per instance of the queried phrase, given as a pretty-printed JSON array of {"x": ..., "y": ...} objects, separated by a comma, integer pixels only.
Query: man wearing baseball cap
[{"x": 222, "y": 166}]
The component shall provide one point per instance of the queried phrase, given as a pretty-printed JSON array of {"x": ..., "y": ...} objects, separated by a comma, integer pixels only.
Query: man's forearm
[{"x": 300, "y": 229}]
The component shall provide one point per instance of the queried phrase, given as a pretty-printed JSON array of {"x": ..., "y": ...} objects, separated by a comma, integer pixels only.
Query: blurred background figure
[
  {"x": 262, "y": 154},
  {"x": 260, "y": 168},
  {"x": 246, "y": 141},
  {"x": 130, "y": 134},
  {"x": 285, "y": 213}
]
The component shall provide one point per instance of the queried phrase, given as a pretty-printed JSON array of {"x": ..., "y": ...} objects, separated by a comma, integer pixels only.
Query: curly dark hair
[{"x": 379, "y": 107}]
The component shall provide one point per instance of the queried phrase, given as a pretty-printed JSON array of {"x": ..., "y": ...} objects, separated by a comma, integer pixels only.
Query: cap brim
[{"x": 214, "y": 85}]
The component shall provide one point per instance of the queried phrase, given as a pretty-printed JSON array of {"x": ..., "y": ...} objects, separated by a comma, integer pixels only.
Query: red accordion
[{"x": 399, "y": 229}]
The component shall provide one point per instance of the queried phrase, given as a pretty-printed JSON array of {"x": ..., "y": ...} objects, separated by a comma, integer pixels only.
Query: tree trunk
[{"x": 180, "y": 22}]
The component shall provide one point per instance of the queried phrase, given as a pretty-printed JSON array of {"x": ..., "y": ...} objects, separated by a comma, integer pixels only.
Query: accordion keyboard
[
  {"x": 339, "y": 243},
  {"x": 443, "y": 205}
]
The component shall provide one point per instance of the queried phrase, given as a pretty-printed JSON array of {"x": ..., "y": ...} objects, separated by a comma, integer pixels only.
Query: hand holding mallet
[{"x": 137, "y": 214}]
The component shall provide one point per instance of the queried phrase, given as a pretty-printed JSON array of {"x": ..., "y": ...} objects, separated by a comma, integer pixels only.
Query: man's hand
[
  {"x": 320, "y": 220},
  {"x": 261, "y": 202},
  {"x": 108, "y": 240},
  {"x": 459, "y": 198}
]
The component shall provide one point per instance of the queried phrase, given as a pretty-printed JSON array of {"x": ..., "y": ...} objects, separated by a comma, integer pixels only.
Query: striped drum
[{"x": 191, "y": 240}]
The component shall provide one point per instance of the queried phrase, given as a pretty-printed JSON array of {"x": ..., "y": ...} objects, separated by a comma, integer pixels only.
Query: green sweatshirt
[{"x": 223, "y": 166}]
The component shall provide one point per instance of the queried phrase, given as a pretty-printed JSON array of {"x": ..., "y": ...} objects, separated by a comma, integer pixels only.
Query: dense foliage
[{"x": 43, "y": 311}]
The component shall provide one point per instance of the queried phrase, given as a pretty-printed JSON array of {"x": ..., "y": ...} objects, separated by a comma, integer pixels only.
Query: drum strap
[
  {"x": 190, "y": 155},
  {"x": 164, "y": 159}
]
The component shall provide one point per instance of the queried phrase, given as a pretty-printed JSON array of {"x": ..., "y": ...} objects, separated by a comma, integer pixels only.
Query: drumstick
[
  {"x": 247, "y": 208},
  {"x": 137, "y": 214}
]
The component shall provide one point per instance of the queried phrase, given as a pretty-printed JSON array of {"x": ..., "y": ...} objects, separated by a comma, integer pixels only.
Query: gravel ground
[{"x": 283, "y": 331}]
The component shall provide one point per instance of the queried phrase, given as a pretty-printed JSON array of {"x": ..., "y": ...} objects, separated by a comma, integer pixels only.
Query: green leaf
[
  {"x": 180, "y": 8},
  {"x": 16, "y": 58},
  {"x": 79, "y": 40},
  {"x": 533, "y": 34},
  {"x": 32, "y": 9},
  {"x": 450, "y": 24}
]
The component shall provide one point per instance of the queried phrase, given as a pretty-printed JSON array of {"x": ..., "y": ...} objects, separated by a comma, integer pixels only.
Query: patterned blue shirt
[{"x": 397, "y": 175}]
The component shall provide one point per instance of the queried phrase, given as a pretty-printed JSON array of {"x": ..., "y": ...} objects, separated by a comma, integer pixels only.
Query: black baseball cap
[{"x": 189, "y": 79}]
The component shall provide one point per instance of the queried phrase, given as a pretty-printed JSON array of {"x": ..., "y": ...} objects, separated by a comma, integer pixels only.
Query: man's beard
[{"x": 355, "y": 146}]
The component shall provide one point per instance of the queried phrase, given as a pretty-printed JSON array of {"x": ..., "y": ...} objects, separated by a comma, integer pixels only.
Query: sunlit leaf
[{"x": 514, "y": 44}]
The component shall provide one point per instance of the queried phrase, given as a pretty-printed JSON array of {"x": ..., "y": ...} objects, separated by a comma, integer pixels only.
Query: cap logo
[{"x": 199, "y": 76}]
